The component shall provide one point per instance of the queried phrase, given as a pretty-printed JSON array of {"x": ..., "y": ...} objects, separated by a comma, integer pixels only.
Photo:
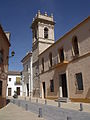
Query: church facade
[{"x": 62, "y": 68}]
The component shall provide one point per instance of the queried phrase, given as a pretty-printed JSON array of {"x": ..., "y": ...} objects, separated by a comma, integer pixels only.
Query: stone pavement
[
  {"x": 13, "y": 112},
  {"x": 50, "y": 112},
  {"x": 68, "y": 105}
]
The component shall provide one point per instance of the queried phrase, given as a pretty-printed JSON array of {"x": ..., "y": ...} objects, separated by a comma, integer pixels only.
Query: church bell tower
[{"x": 43, "y": 37}]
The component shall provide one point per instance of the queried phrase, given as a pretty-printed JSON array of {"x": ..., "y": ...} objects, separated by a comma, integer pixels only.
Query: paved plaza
[
  {"x": 68, "y": 105},
  {"x": 13, "y": 112},
  {"x": 24, "y": 109},
  {"x": 52, "y": 112}
]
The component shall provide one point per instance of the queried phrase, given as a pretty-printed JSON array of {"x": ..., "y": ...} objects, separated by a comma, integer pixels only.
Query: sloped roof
[
  {"x": 14, "y": 73},
  {"x": 26, "y": 57}
]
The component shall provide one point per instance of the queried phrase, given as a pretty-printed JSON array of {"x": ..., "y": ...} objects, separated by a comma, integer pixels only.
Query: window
[
  {"x": 9, "y": 91},
  {"x": 1, "y": 57},
  {"x": 18, "y": 80},
  {"x": 0, "y": 88},
  {"x": 26, "y": 67},
  {"x": 51, "y": 86},
  {"x": 79, "y": 81},
  {"x": 75, "y": 46},
  {"x": 18, "y": 90},
  {"x": 50, "y": 59},
  {"x": 42, "y": 64},
  {"x": 27, "y": 89},
  {"x": 9, "y": 79},
  {"x": 61, "y": 55},
  {"x": 45, "y": 33}
]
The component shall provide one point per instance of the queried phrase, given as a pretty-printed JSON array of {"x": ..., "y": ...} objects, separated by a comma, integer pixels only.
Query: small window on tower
[{"x": 45, "y": 33}]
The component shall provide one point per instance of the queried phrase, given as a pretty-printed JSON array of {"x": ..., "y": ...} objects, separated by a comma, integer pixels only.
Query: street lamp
[{"x": 12, "y": 54}]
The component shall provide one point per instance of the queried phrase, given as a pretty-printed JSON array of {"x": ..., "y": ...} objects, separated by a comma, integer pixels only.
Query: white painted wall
[
  {"x": 11, "y": 84},
  {"x": 27, "y": 77}
]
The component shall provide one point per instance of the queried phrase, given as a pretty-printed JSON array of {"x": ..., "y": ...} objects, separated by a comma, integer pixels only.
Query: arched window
[
  {"x": 50, "y": 59},
  {"x": 75, "y": 46},
  {"x": 45, "y": 33},
  {"x": 61, "y": 55}
]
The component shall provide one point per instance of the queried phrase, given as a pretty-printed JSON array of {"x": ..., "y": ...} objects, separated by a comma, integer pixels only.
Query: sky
[{"x": 16, "y": 17}]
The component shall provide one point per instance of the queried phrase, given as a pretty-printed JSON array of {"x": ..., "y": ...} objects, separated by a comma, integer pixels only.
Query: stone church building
[
  {"x": 61, "y": 69},
  {"x": 41, "y": 41}
]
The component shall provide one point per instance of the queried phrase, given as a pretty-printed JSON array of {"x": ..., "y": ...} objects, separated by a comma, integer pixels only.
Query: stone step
[{"x": 62, "y": 99}]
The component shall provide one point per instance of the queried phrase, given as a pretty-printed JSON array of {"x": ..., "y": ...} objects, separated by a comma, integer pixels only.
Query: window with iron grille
[
  {"x": 51, "y": 85},
  {"x": 79, "y": 80}
]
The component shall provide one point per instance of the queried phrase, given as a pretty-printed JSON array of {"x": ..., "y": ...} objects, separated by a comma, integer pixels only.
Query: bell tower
[{"x": 43, "y": 37}]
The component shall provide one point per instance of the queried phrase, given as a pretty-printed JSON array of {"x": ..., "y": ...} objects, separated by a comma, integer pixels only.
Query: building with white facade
[
  {"x": 27, "y": 82},
  {"x": 14, "y": 83}
]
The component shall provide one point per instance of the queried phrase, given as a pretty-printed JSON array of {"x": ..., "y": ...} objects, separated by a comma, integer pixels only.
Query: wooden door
[
  {"x": 18, "y": 90},
  {"x": 9, "y": 91}
]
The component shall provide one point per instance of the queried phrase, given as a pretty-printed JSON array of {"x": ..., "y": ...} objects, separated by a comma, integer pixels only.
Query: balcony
[
  {"x": 17, "y": 83},
  {"x": 57, "y": 63}
]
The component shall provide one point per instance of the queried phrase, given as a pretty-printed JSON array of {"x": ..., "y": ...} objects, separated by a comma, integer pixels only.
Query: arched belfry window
[
  {"x": 75, "y": 45},
  {"x": 45, "y": 32}
]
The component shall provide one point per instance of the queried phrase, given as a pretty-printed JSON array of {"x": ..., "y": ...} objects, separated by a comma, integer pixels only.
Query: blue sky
[{"x": 16, "y": 17}]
